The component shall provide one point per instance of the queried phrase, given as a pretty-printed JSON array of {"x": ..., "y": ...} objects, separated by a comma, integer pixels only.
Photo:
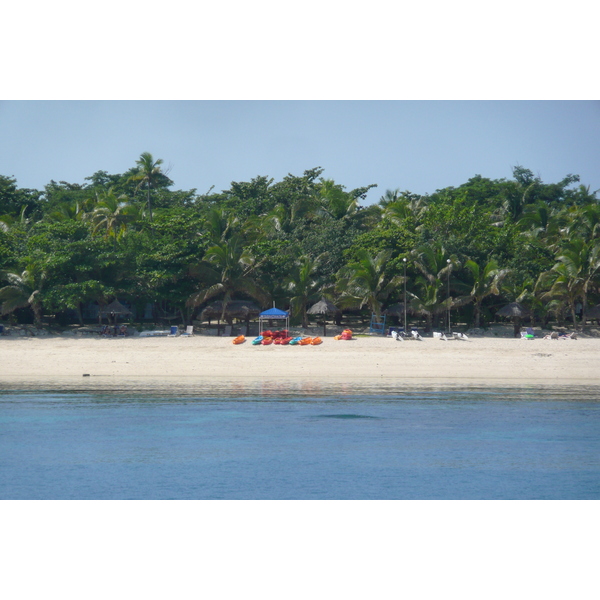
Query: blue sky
[
  {"x": 404, "y": 95},
  {"x": 418, "y": 146}
]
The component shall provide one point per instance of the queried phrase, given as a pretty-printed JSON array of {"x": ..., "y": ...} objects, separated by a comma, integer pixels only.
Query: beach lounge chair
[
  {"x": 416, "y": 335},
  {"x": 460, "y": 336},
  {"x": 528, "y": 334},
  {"x": 189, "y": 330}
]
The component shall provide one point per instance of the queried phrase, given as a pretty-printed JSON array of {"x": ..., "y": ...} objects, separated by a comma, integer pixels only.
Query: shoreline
[{"x": 182, "y": 362}]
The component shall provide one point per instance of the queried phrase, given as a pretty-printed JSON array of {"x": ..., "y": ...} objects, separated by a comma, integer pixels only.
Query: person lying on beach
[{"x": 560, "y": 336}]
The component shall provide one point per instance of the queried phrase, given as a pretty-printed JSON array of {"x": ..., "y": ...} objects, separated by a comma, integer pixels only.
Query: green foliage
[
  {"x": 14, "y": 200},
  {"x": 130, "y": 236}
]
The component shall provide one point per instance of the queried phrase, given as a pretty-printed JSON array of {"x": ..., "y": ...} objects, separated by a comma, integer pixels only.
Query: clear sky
[
  {"x": 415, "y": 96},
  {"x": 418, "y": 146}
]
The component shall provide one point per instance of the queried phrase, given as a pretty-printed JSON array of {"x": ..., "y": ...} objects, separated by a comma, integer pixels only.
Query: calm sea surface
[{"x": 278, "y": 441}]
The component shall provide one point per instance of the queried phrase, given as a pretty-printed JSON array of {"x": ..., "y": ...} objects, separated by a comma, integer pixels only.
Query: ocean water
[{"x": 293, "y": 441}]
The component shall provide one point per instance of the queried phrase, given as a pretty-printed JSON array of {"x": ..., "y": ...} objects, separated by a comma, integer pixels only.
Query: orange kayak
[
  {"x": 266, "y": 341},
  {"x": 316, "y": 341},
  {"x": 240, "y": 339},
  {"x": 305, "y": 341}
]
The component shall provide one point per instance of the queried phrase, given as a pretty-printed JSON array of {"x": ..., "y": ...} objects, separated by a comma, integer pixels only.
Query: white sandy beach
[{"x": 180, "y": 360}]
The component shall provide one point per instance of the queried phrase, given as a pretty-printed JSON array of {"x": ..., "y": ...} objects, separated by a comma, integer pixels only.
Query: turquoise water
[{"x": 285, "y": 442}]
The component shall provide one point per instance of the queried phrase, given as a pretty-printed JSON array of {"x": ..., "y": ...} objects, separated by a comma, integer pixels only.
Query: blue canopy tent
[{"x": 273, "y": 314}]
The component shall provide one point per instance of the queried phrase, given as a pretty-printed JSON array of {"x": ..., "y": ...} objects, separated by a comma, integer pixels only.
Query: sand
[{"x": 182, "y": 361}]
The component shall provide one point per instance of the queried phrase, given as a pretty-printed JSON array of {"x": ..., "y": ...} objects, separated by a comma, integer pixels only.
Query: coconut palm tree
[
  {"x": 304, "y": 285},
  {"x": 540, "y": 220},
  {"x": 111, "y": 213},
  {"x": 23, "y": 289},
  {"x": 366, "y": 282},
  {"x": 228, "y": 267},
  {"x": 435, "y": 265},
  {"x": 401, "y": 207},
  {"x": 431, "y": 299},
  {"x": 220, "y": 223},
  {"x": 8, "y": 222},
  {"x": 486, "y": 278},
  {"x": 576, "y": 269},
  {"x": 335, "y": 202},
  {"x": 582, "y": 261},
  {"x": 149, "y": 174},
  {"x": 583, "y": 221}
]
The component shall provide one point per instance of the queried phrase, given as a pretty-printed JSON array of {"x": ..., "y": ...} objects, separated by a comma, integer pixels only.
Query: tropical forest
[{"x": 459, "y": 252}]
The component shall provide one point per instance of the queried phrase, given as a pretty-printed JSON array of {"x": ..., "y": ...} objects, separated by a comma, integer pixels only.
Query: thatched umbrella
[
  {"x": 396, "y": 310},
  {"x": 515, "y": 311},
  {"x": 113, "y": 309},
  {"x": 324, "y": 307},
  {"x": 235, "y": 309}
]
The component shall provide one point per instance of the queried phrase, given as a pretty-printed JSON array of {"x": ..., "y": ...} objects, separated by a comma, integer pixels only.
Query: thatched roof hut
[
  {"x": 516, "y": 312},
  {"x": 396, "y": 310},
  {"x": 113, "y": 309},
  {"x": 514, "y": 309},
  {"x": 324, "y": 307},
  {"x": 235, "y": 309}
]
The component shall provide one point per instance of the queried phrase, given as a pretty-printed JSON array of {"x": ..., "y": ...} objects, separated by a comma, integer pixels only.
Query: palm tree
[
  {"x": 335, "y": 202},
  {"x": 431, "y": 300},
  {"x": 399, "y": 208},
  {"x": 576, "y": 269},
  {"x": 366, "y": 282},
  {"x": 582, "y": 261},
  {"x": 487, "y": 278},
  {"x": 282, "y": 218},
  {"x": 111, "y": 213},
  {"x": 227, "y": 269},
  {"x": 149, "y": 174},
  {"x": 516, "y": 192},
  {"x": 540, "y": 220},
  {"x": 220, "y": 223},
  {"x": 435, "y": 265},
  {"x": 304, "y": 286},
  {"x": 583, "y": 221},
  {"x": 8, "y": 222},
  {"x": 23, "y": 290}
]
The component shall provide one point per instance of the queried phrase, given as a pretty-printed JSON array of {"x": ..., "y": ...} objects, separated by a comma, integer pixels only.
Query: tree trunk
[
  {"x": 149, "y": 203},
  {"x": 517, "y": 327},
  {"x": 583, "y": 305},
  {"x": 573, "y": 315},
  {"x": 477, "y": 315},
  {"x": 37, "y": 314},
  {"x": 429, "y": 321}
]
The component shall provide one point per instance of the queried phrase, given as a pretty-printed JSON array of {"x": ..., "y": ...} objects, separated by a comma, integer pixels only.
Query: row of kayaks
[{"x": 263, "y": 340}]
